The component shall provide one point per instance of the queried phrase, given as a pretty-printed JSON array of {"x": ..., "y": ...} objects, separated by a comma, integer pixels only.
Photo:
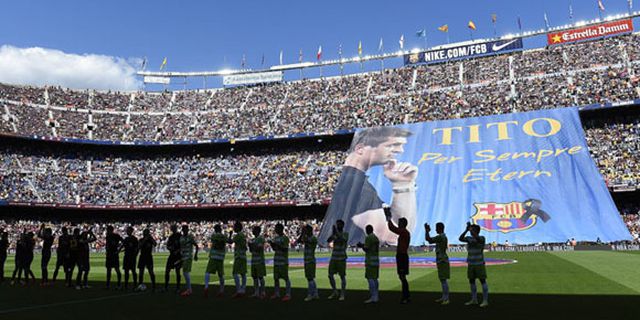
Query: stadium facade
[{"x": 277, "y": 144}]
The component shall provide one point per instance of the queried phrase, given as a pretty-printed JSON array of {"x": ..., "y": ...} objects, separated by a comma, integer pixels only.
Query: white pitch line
[{"x": 68, "y": 303}]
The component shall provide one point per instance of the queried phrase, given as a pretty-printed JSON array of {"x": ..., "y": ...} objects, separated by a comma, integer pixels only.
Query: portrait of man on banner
[{"x": 357, "y": 202}]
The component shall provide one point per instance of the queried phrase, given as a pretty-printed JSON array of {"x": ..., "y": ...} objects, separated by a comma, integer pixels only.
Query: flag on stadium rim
[
  {"x": 360, "y": 48},
  {"x": 630, "y": 2},
  {"x": 319, "y": 54},
  {"x": 494, "y": 18},
  {"x": 381, "y": 45},
  {"x": 300, "y": 56},
  {"x": 340, "y": 51},
  {"x": 244, "y": 61},
  {"x": 570, "y": 12},
  {"x": 421, "y": 33},
  {"x": 164, "y": 64},
  {"x": 144, "y": 63},
  {"x": 600, "y": 5},
  {"x": 401, "y": 42},
  {"x": 471, "y": 25},
  {"x": 280, "y": 56},
  {"x": 444, "y": 28},
  {"x": 546, "y": 20},
  {"x": 262, "y": 61},
  {"x": 519, "y": 23}
]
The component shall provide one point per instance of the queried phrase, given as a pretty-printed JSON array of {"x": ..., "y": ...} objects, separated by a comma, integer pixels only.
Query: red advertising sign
[{"x": 590, "y": 32}]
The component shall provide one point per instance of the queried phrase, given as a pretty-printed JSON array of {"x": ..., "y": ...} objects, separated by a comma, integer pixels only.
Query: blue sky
[{"x": 210, "y": 35}]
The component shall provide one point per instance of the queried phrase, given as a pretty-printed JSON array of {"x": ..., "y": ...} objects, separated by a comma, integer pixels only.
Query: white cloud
[{"x": 41, "y": 66}]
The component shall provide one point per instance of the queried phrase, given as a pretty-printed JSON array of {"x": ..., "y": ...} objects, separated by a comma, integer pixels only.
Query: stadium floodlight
[
  {"x": 415, "y": 50},
  {"x": 509, "y": 36},
  {"x": 581, "y": 23}
]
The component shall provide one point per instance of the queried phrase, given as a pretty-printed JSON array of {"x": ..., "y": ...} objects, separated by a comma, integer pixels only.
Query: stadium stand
[
  {"x": 614, "y": 146},
  {"x": 307, "y": 174},
  {"x": 596, "y": 72},
  {"x": 582, "y": 74},
  {"x": 30, "y": 175}
]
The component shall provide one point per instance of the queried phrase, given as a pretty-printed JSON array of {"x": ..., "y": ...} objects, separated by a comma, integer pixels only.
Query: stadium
[{"x": 531, "y": 137}]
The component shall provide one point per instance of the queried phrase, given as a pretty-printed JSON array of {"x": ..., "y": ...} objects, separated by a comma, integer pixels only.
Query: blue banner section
[
  {"x": 463, "y": 51},
  {"x": 523, "y": 178}
]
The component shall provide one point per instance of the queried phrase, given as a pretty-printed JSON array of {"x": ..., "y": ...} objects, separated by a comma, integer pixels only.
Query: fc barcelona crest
[
  {"x": 508, "y": 217},
  {"x": 414, "y": 58}
]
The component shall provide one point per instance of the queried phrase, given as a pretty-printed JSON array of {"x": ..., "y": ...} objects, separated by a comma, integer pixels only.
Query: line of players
[{"x": 73, "y": 251}]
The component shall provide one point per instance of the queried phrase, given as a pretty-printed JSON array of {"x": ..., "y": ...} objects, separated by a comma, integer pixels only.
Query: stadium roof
[{"x": 371, "y": 57}]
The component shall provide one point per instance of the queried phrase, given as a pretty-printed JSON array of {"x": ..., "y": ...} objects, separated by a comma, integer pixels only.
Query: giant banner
[
  {"x": 522, "y": 177},
  {"x": 590, "y": 32},
  {"x": 463, "y": 51}
]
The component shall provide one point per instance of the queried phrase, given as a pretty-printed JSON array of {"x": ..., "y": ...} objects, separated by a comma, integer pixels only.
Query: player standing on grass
[
  {"x": 216, "y": 260},
  {"x": 187, "y": 243},
  {"x": 239, "y": 259},
  {"x": 174, "y": 262},
  {"x": 442, "y": 259},
  {"x": 46, "y": 234},
  {"x": 338, "y": 261},
  {"x": 4, "y": 246},
  {"x": 130, "y": 245},
  {"x": 84, "y": 265},
  {"x": 402, "y": 252},
  {"x": 371, "y": 248},
  {"x": 280, "y": 245},
  {"x": 19, "y": 258},
  {"x": 475, "y": 264},
  {"x": 310, "y": 243},
  {"x": 258, "y": 268},
  {"x": 74, "y": 253},
  {"x": 30, "y": 244},
  {"x": 62, "y": 255},
  {"x": 112, "y": 244},
  {"x": 147, "y": 243}
]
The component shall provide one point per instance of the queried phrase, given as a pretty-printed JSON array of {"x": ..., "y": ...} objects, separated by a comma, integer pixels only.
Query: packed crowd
[
  {"x": 577, "y": 74},
  {"x": 201, "y": 230},
  {"x": 615, "y": 146},
  {"x": 302, "y": 175},
  {"x": 265, "y": 175},
  {"x": 631, "y": 218}
]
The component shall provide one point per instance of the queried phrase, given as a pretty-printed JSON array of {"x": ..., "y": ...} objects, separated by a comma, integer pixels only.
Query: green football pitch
[{"x": 541, "y": 285}]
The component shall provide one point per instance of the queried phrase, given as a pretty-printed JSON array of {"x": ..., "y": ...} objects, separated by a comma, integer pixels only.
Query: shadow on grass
[{"x": 57, "y": 302}]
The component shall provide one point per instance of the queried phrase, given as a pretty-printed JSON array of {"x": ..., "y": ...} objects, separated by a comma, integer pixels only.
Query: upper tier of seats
[{"x": 577, "y": 74}]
